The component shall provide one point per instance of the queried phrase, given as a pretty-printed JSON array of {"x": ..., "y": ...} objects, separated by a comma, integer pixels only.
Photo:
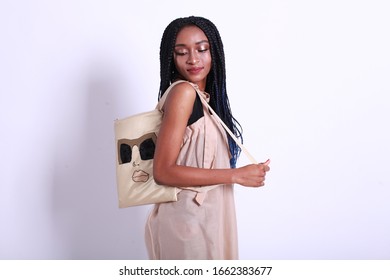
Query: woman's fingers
[{"x": 265, "y": 165}]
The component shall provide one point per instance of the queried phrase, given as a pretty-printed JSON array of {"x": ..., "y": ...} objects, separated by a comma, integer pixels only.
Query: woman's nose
[{"x": 193, "y": 58}]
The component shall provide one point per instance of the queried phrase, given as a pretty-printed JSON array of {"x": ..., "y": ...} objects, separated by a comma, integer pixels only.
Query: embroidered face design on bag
[{"x": 139, "y": 152}]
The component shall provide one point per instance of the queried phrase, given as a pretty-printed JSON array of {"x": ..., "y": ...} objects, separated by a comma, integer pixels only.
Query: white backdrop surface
[{"x": 308, "y": 81}]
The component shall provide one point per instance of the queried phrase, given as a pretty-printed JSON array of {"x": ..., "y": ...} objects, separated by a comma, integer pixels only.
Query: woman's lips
[
  {"x": 140, "y": 176},
  {"x": 195, "y": 70}
]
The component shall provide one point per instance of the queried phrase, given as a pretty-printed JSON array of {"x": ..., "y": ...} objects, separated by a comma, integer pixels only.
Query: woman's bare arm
[{"x": 177, "y": 110}]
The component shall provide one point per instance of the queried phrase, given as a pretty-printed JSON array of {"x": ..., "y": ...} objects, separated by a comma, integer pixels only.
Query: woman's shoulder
[
  {"x": 181, "y": 96},
  {"x": 182, "y": 93},
  {"x": 184, "y": 87}
]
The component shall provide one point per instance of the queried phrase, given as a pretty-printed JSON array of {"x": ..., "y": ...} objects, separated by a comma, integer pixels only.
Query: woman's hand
[{"x": 252, "y": 175}]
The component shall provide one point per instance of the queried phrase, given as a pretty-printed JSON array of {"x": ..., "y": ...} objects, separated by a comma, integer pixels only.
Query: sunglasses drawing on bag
[
  {"x": 127, "y": 153},
  {"x": 146, "y": 145}
]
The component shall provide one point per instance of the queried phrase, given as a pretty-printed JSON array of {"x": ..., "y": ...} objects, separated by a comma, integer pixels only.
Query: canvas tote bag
[{"x": 135, "y": 139}]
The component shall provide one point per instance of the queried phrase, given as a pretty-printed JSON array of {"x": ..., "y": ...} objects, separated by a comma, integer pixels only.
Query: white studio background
[{"x": 308, "y": 81}]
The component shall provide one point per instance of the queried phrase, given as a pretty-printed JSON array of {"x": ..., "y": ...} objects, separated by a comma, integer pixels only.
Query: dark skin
[{"x": 193, "y": 62}]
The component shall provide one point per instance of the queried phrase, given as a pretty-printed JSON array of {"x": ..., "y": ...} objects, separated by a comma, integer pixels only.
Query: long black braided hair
[{"x": 216, "y": 79}]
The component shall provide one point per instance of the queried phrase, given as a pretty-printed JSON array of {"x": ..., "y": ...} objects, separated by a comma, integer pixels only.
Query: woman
[{"x": 193, "y": 151}]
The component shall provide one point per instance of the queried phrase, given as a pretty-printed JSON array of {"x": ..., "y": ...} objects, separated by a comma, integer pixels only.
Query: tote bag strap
[{"x": 246, "y": 152}]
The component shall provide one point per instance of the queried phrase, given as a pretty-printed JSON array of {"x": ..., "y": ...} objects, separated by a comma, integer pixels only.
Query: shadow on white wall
[{"x": 85, "y": 213}]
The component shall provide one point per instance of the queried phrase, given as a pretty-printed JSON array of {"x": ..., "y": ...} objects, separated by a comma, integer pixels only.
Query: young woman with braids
[{"x": 193, "y": 151}]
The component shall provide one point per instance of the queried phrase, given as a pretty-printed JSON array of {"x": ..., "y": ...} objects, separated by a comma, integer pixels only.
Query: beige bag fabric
[{"x": 135, "y": 139}]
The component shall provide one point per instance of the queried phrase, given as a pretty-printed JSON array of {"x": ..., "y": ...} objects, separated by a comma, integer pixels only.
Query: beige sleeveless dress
[{"x": 201, "y": 225}]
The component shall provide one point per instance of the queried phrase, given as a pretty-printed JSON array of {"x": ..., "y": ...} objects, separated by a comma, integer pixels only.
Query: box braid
[{"x": 216, "y": 80}]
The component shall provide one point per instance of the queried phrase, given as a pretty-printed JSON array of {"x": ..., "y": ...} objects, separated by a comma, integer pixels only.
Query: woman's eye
[
  {"x": 203, "y": 50},
  {"x": 180, "y": 53}
]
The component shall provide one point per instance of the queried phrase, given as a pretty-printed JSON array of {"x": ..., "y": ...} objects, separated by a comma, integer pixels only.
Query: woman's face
[{"x": 192, "y": 55}]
